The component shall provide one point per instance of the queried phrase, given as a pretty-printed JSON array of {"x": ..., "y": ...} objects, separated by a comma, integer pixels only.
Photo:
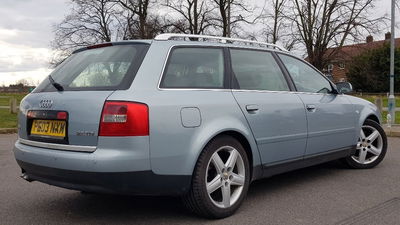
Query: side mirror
[{"x": 344, "y": 87}]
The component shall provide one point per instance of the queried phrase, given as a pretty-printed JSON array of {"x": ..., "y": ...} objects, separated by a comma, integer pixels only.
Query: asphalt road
[{"x": 324, "y": 194}]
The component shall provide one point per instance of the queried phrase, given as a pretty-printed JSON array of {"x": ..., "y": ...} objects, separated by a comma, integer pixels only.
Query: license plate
[{"x": 52, "y": 128}]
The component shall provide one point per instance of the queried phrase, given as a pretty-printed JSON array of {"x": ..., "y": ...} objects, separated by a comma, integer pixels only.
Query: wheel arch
[
  {"x": 373, "y": 118},
  {"x": 365, "y": 114},
  {"x": 249, "y": 146}
]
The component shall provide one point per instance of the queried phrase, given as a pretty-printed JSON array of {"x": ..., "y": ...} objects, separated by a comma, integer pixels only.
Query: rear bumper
[
  {"x": 119, "y": 165},
  {"x": 131, "y": 183}
]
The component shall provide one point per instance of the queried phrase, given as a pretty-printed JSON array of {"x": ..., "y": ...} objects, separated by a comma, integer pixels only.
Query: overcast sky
[{"x": 26, "y": 32}]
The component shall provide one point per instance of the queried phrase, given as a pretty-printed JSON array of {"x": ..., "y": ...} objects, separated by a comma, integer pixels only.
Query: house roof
[{"x": 349, "y": 51}]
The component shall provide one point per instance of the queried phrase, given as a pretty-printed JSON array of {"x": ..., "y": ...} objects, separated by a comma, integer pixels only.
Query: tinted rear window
[
  {"x": 107, "y": 68},
  {"x": 190, "y": 67}
]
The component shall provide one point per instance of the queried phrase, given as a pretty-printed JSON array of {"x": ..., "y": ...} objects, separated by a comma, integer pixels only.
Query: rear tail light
[
  {"x": 124, "y": 119},
  {"x": 47, "y": 114},
  {"x": 62, "y": 115},
  {"x": 31, "y": 114}
]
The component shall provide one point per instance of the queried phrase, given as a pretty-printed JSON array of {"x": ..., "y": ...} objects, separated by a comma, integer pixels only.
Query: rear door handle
[
  {"x": 252, "y": 108},
  {"x": 311, "y": 108}
]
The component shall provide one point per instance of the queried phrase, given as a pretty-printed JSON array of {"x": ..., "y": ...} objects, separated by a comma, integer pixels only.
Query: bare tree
[
  {"x": 230, "y": 14},
  {"x": 274, "y": 19},
  {"x": 137, "y": 8},
  {"x": 195, "y": 15},
  {"x": 139, "y": 22},
  {"x": 324, "y": 24},
  {"x": 90, "y": 22},
  {"x": 23, "y": 82},
  {"x": 276, "y": 25}
]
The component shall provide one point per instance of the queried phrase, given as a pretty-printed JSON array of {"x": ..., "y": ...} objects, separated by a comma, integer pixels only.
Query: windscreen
[{"x": 106, "y": 68}]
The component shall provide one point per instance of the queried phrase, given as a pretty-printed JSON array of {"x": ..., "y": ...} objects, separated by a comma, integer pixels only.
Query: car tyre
[
  {"x": 371, "y": 147},
  {"x": 220, "y": 180}
]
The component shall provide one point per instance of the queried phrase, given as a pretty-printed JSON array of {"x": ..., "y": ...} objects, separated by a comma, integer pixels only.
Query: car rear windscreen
[{"x": 106, "y": 68}]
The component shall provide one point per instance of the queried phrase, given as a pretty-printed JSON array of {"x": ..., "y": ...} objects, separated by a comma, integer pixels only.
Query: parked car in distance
[{"x": 194, "y": 116}]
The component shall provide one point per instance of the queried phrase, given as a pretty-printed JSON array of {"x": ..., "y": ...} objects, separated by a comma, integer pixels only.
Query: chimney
[
  {"x": 388, "y": 35},
  {"x": 370, "y": 39}
]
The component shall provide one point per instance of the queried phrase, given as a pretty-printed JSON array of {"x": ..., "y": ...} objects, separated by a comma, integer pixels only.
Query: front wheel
[
  {"x": 220, "y": 180},
  {"x": 371, "y": 147}
]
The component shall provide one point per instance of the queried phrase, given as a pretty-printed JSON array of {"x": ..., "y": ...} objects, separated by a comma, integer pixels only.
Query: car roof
[{"x": 196, "y": 40}]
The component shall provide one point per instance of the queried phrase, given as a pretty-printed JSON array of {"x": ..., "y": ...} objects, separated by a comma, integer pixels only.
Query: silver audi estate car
[{"x": 188, "y": 115}]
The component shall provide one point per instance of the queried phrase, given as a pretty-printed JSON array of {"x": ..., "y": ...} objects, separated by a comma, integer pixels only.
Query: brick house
[{"x": 337, "y": 68}]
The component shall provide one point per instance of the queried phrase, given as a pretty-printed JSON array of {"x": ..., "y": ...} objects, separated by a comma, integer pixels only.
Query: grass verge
[
  {"x": 7, "y": 120},
  {"x": 6, "y": 101}
]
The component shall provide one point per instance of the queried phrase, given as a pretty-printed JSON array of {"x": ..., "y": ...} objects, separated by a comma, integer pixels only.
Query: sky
[
  {"x": 25, "y": 35},
  {"x": 26, "y": 32}
]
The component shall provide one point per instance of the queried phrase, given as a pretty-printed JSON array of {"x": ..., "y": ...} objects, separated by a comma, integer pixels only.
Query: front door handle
[
  {"x": 311, "y": 108},
  {"x": 252, "y": 108}
]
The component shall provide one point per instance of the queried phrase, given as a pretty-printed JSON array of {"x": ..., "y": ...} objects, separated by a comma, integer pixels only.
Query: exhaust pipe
[{"x": 26, "y": 177}]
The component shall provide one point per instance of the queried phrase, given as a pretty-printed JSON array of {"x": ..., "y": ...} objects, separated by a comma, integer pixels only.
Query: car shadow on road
[{"x": 92, "y": 208}]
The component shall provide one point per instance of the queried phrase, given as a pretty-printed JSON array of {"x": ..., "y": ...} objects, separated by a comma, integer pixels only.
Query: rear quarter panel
[{"x": 174, "y": 148}]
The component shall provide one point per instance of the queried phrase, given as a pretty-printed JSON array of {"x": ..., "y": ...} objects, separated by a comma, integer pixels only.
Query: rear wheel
[
  {"x": 371, "y": 147},
  {"x": 220, "y": 180}
]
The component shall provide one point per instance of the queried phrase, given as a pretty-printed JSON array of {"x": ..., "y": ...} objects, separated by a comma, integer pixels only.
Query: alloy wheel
[
  {"x": 225, "y": 177},
  {"x": 369, "y": 146}
]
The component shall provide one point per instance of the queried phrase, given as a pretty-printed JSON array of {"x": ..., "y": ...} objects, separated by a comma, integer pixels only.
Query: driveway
[{"x": 324, "y": 194}]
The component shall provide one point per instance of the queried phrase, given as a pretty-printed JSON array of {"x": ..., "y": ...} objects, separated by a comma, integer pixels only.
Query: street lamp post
[{"x": 391, "y": 101}]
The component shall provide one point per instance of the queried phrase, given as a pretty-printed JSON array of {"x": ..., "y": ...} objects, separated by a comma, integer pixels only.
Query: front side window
[
  {"x": 191, "y": 67},
  {"x": 306, "y": 78},
  {"x": 257, "y": 70}
]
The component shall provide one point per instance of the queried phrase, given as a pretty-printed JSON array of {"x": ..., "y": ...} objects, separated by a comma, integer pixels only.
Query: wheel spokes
[
  {"x": 362, "y": 156},
  {"x": 374, "y": 150},
  {"x": 214, "y": 185},
  {"x": 230, "y": 163},
  {"x": 372, "y": 137},
  {"x": 218, "y": 163},
  {"x": 226, "y": 195},
  {"x": 362, "y": 134},
  {"x": 369, "y": 147},
  {"x": 225, "y": 176},
  {"x": 237, "y": 179}
]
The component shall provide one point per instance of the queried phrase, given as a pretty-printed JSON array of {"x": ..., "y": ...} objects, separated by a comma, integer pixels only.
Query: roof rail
[{"x": 169, "y": 36}]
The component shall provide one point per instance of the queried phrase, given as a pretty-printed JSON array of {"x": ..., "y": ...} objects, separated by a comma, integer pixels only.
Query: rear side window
[
  {"x": 107, "y": 68},
  {"x": 190, "y": 67},
  {"x": 257, "y": 70}
]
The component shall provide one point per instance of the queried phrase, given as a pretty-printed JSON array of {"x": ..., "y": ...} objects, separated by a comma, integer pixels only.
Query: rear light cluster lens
[
  {"x": 31, "y": 114},
  {"x": 124, "y": 119},
  {"x": 43, "y": 114},
  {"x": 62, "y": 115}
]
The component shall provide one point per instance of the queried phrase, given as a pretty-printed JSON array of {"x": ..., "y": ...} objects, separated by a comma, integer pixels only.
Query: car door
[
  {"x": 331, "y": 117},
  {"x": 276, "y": 115}
]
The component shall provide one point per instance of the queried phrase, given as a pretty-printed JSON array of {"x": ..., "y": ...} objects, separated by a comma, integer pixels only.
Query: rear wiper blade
[{"x": 58, "y": 86}]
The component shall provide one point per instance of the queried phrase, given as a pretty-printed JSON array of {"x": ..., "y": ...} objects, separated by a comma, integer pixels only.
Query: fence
[
  {"x": 377, "y": 99},
  {"x": 12, "y": 106},
  {"x": 381, "y": 101}
]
